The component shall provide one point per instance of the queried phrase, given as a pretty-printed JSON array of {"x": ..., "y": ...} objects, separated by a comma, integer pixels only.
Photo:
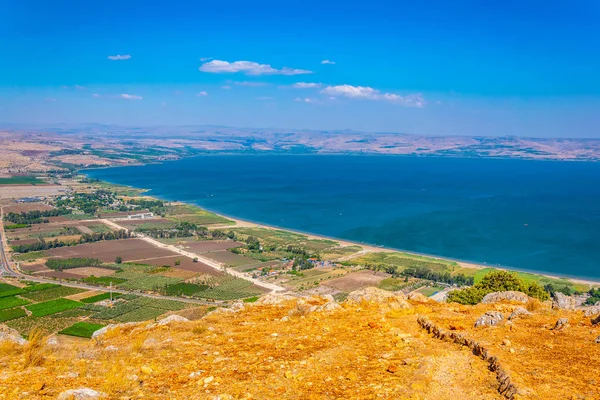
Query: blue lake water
[{"x": 531, "y": 215}]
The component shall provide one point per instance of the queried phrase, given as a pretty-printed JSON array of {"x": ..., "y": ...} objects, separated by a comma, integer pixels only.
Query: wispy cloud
[
  {"x": 76, "y": 87},
  {"x": 131, "y": 96},
  {"x": 248, "y": 68},
  {"x": 305, "y": 100},
  {"x": 120, "y": 57},
  {"x": 327, "y": 62},
  {"x": 96, "y": 95},
  {"x": 201, "y": 94},
  {"x": 306, "y": 85},
  {"x": 264, "y": 98},
  {"x": 226, "y": 87},
  {"x": 368, "y": 93},
  {"x": 205, "y": 59},
  {"x": 250, "y": 83}
]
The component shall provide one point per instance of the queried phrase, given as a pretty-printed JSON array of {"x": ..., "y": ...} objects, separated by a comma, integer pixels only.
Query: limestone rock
[
  {"x": 563, "y": 302},
  {"x": 110, "y": 327},
  {"x": 172, "y": 318},
  {"x": 418, "y": 297},
  {"x": 11, "y": 335},
  {"x": 597, "y": 340},
  {"x": 596, "y": 320},
  {"x": 273, "y": 298},
  {"x": 496, "y": 297},
  {"x": 561, "y": 324},
  {"x": 372, "y": 294},
  {"x": 329, "y": 306},
  {"x": 592, "y": 310},
  {"x": 52, "y": 341},
  {"x": 490, "y": 318},
  {"x": 81, "y": 394},
  {"x": 518, "y": 312}
]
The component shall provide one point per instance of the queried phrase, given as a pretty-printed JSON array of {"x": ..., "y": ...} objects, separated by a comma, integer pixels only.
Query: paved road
[{"x": 7, "y": 271}]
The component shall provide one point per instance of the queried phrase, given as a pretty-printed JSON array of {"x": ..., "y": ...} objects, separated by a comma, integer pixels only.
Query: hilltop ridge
[{"x": 376, "y": 344}]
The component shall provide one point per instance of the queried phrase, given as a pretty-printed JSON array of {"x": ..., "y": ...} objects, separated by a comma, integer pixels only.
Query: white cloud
[
  {"x": 202, "y": 93},
  {"x": 226, "y": 87},
  {"x": 96, "y": 95},
  {"x": 131, "y": 96},
  {"x": 79, "y": 87},
  {"x": 204, "y": 59},
  {"x": 327, "y": 62},
  {"x": 305, "y": 100},
  {"x": 120, "y": 57},
  {"x": 306, "y": 85},
  {"x": 250, "y": 83},
  {"x": 248, "y": 68},
  {"x": 368, "y": 93},
  {"x": 264, "y": 98}
]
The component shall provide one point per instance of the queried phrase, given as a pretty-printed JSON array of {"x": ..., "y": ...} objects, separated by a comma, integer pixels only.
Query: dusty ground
[
  {"x": 356, "y": 280},
  {"x": 88, "y": 271},
  {"x": 18, "y": 191}
]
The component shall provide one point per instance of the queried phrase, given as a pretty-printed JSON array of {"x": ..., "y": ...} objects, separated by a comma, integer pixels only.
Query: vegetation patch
[
  {"x": 12, "y": 301},
  {"x": 12, "y": 313},
  {"x": 36, "y": 287},
  {"x": 53, "y": 293},
  {"x": 103, "y": 280},
  {"x": 30, "y": 256},
  {"x": 81, "y": 329},
  {"x": 76, "y": 262},
  {"x": 7, "y": 290},
  {"x": 20, "y": 180},
  {"x": 52, "y": 307},
  {"x": 99, "y": 297},
  {"x": 184, "y": 289}
]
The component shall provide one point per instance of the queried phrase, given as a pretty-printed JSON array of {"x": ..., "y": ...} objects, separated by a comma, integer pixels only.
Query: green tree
[{"x": 118, "y": 260}]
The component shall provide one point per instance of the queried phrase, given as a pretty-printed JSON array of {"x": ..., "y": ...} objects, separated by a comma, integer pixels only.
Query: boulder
[
  {"x": 596, "y": 320},
  {"x": 418, "y": 297},
  {"x": 563, "y": 302},
  {"x": 110, "y": 327},
  {"x": 81, "y": 394},
  {"x": 561, "y": 324},
  {"x": 52, "y": 341},
  {"x": 518, "y": 312},
  {"x": 495, "y": 297},
  {"x": 373, "y": 294},
  {"x": 490, "y": 318},
  {"x": 273, "y": 298},
  {"x": 171, "y": 318},
  {"x": 329, "y": 306},
  {"x": 10, "y": 335},
  {"x": 597, "y": 340},
  {"x": 591, "y": 311}
]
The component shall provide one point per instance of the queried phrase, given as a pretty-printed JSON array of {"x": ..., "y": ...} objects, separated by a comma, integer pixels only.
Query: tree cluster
[
  {"x": 69, "y": 263},
  {"x": 85, "y": 238},
  {"x": 34, "y": 217},
  {"x": 497, "y": 281}
]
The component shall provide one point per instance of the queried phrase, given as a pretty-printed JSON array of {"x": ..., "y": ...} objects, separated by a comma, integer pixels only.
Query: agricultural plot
[
  {"x": 26, "y": 207},
  {"x": 99, "y": 297},
  {"x": 185, "y": 263},
  {"x": 32, "y": 268},
  {"x": 31, "y": 256},
  {"x": 108, "y": 251},
  {"x": 144, "y": 282},
  {"x": 59, "y": 275},
  {"x": 103, "y": 280},
  {"x": 210, "y": 245},
  {"x": 229, "y": 258},
  {"x": 81, "y": 329},
  {"x": 52, "y": 293},
  {"x": 148, "y": 223},
  {"x": 36, "y": 287},
  {"x": 356, "y": 280},
  {"x": 52, "y": 307},
  {"x": 283, "y": 238},
  {"x": 313, "y": 277},
  {"x": 12, "y": 301},
  {"x": 7, "y": 290},
  {"x": 134, "y": 309},
  {"x": 195, "y": 215},
  {"x": 92, "y": 271},
  {"x": 404, "y": 260},
  {"x": 222, "y": 288},
  {"x": 11, "y": 313}
]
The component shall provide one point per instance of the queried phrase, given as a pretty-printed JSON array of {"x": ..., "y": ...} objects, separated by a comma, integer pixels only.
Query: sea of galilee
[{"x": 538, "y": 216}]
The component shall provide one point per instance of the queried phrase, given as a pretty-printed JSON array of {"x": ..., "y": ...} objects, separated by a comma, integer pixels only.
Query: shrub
[{"x": 496, "y": 281}]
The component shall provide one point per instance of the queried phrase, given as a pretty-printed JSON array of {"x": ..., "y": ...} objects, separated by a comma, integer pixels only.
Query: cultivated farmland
[
  {"x": 52, "y": 307},
  {"x": 107, "y": 251}
]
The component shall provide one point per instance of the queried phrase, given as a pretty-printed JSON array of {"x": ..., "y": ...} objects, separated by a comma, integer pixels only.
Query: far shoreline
[{"x": 370, "y": 248}]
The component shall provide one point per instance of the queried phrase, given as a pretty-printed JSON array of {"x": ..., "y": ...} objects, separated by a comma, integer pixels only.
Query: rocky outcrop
[
  {"x": 506, "y": 387},
  {"x": 273, "y": 298},
  {"x": 170, "y": 319},
  {"x": 375, "y": 295},
  {"x": 563, "y": 302},
  {"x": 81, "y": 394},
  {"x": 561, "y": 324},
  {"x": 513, "y": 296},
  {"x": 102, "y": 331},
  {"x": 519, "y": 312},
  {"x": 592, "y": 310},
  {"x": 418, "y": 297},
  {"x": 596, "y": 321},
  {"x": 597, "y": 340},
  {"x": 490, "y": 318},
  {"x": 10, "y": 335}
]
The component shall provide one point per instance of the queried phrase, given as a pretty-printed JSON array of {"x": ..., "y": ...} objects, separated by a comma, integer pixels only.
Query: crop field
[
  {"x": 195, "y": 215},
  {"x": 284, "y": 238},
  {"x": 58, "y": 275},
  {"x": 404, "y": 260},
  {"x": 7, "y": 290},
  {"x": 11, "y": 313},
  {"x": 92, "y": 271},
  {"x": 229, "y": 258},
  {"x": 99, "y": 297},
  {"x": 144, "y": 282},
  {"x": 31, "y": 256},
  {"x": 81, "y": 329},
  {"x": 210, "y": 245},
  {"x": 314, "y": 276},
  {"x": 217, "y": 288},
  {"x": 185, "y": 263},
  {"x": 148, "y": 223},
  {"x": 36, "y": 287},
  {"x": 52, "y": 307},
  {"x": 356, "y": 280},
  {"x": 26, "y": 207},
  {"x": 334, "y": 253},
  {"x": 103, "y": 280},
  {"x": 430, "y": 290},
  {"x": 134, "y": 309},
  {"x": 185, "y": 289},
  {"x": 31, "y": 268},
  {"x": 108, "y": 251},
  {"x": 12, "y": 301}
]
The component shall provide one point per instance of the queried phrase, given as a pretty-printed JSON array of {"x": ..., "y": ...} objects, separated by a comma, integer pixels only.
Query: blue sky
[{"x": 527, "y": 68}]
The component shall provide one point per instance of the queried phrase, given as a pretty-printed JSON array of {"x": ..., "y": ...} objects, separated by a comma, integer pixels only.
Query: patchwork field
[
  {"x": 108, "y": 251},
  {"x": 210, "y": 245},
  {"x": 185, "y": 263},
  {"x": 229, "y": 258},
  {"x": 26, "y": 207},
  {"x": 356, "y": 280}
]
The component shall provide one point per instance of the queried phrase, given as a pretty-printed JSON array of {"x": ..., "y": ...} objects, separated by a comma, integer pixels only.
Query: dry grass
[{"x": 35, "y": 349}]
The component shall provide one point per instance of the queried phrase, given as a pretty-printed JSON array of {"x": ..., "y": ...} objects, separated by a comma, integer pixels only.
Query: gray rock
[
  {"x": 111, "y": 348},
  {"x": 591, "y": 311},
  {"x": 172, "y": 318},
  {"x": 518, "y": 312},
  {"x": 563, "y": 302},
  {"x": 597, "y": 340},
  {"x": 81, "y": 394},
  {"x": 490, "y": 318},
  {"x": 561, "y": 324},
  {"x": 109, "y": 327},
  {"x": 596, "y": 320},
  {"x": 329, "y": 306},
  {"x": 10, "y": 335},
  {"x": 52, "y": 341},
  {"x": 418, "y": 297},
  {"x": 373, "y": 294},
  {"x": 273, "y": 298},
  {"x": 496, "y": 297}
]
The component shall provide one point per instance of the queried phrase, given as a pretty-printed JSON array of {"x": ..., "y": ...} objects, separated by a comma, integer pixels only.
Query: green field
[
  {"x": 20, "y": 180},
  {"x": 99, "y": 297},
  {"x": 52, "y": 293},
  {"x": 184, "y": 289},
  {"x": 132, "y": 308},
  {"x": 36, "y": 287},
  {"x": 142, "y": 281},
  {"x": 7, "y": 290},
  {"x": 81, "y": 329},
  {"x": 12, "y": 301},
  {"x": 103, "y": 280},
  {"x": 30, "y": 256},
  {"x": 404, "y": 260},
  {"x": 52, "y": 307},
  {"x": 430, "y": 290},
  {"x": 12, "y": 313}
]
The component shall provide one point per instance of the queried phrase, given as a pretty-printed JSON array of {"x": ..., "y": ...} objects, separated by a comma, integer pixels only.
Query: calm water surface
[{"x": 532, "y": 215}]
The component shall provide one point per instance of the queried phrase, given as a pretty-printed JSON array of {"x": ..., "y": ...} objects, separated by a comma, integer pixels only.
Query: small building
[{"x": 146, "y": 215}]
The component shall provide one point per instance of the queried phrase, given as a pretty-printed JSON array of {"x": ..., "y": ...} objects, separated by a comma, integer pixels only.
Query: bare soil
[
  {"x": 108, "y": 251},
  {"x": 210, "y": 245},
  {"x": 356, "y": 280},
  {"x": 89, "y": 271}
]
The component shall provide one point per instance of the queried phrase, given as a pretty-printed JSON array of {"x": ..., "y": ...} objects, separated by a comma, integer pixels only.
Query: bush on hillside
[{"x": 497, "y": 281}]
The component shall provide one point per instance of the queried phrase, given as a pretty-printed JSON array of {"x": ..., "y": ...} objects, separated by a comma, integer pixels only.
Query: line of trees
[
  {"x": 68, "y": 263},
  {"x": 85, "y": 238},
  {"x": 34, "y": 217}
]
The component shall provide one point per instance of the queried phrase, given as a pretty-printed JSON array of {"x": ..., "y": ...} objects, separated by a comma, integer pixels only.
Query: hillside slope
[{"x": 286, "y": 348}]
